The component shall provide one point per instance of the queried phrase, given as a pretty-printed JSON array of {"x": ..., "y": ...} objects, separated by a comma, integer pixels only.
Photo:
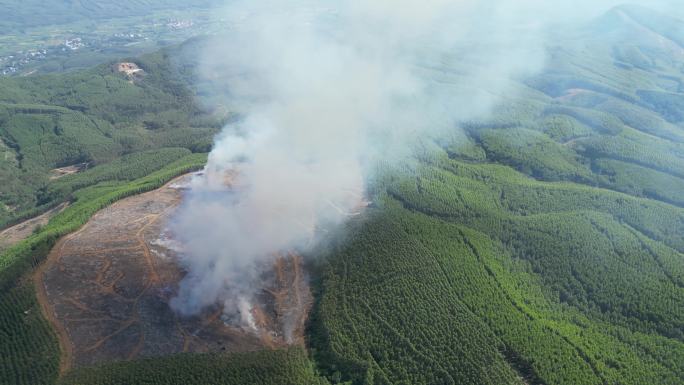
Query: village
[{"x": 116, "y": 39}]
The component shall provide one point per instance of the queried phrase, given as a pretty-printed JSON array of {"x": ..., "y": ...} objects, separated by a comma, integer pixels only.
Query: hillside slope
[
  {"x": 543, "y": 246},
  {"x": 91, "y": 117}
]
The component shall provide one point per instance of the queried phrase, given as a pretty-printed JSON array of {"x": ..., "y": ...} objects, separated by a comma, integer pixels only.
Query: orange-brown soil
[
  {"x": 128, "y": 68},
  {"x": 106, "y": 291},
  {"x": 131, "y": 70}
]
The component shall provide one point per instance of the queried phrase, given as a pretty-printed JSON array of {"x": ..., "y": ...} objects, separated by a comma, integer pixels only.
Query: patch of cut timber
[
  {"x": 68, "y": 170},
  {"x": 106, "y": 290}
]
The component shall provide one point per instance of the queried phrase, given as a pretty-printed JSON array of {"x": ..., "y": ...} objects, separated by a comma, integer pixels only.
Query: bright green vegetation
[
  {"x": 636, "y": 180},
  {"x": 542, "y": 246},
  {"x": 134, "y": 136},
  {"x": 533, "y": 153},
  {"x": 476, "y": 274},
  {"x": 93, "y": 117},
  {"x": 282, "y": 367},
  {"x": 127, "y": 168},
  {"x": 29, "y": 349},
  {"x": 87, "y": 201}
]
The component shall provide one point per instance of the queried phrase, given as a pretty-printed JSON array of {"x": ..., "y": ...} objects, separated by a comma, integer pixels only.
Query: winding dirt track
[
  {"x": 12, "y": 235},
  {"x": 106, "y": 288}
]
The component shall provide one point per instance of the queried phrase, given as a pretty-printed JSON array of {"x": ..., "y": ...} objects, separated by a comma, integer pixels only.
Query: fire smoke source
[{"x": 324, "y": 90}]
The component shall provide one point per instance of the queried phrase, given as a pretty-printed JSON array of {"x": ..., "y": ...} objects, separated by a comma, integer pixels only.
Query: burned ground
[{"x": 106, "y": 290}]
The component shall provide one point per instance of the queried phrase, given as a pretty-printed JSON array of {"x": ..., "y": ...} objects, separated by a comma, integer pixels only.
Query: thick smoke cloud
[{"x": 325, "y": 90}]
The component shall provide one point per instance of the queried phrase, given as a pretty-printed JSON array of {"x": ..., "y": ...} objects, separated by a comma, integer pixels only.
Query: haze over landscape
[
  {"x": 342, "y": 192},
  {"x": 326, "y": 93}
]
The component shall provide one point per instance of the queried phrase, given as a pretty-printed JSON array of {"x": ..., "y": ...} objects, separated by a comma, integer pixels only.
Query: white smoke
[{"x": 326, "y": 89}]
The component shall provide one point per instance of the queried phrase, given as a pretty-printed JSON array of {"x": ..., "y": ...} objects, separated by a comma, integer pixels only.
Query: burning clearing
[{"x": 106, "y": 290}]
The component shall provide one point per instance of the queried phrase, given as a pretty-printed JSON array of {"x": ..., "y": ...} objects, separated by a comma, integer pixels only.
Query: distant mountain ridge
[{"x": 638, "y": 26}]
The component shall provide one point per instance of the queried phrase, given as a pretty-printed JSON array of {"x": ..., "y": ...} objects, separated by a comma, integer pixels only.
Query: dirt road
[{"x": 12, "y": 235}]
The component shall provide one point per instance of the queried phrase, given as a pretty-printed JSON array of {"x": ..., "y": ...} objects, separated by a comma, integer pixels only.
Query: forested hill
[
  {"x": 606, "y": 112},
  {"x": 92, "y": 117},
  {"x": 544, "y": 245}
]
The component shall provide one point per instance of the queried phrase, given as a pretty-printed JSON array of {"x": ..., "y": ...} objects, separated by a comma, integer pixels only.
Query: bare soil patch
[
  {"x": 131, "y": 70},
  {"x": 68, "y": 170},
  {"x": 106, "y": 290},
  {"x": 572, "y": 93},
  {"x": 12, "y": 235}
]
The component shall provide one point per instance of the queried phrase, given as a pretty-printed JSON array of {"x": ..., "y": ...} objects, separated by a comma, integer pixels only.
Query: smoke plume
[{"x": 324, "y": 90}]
